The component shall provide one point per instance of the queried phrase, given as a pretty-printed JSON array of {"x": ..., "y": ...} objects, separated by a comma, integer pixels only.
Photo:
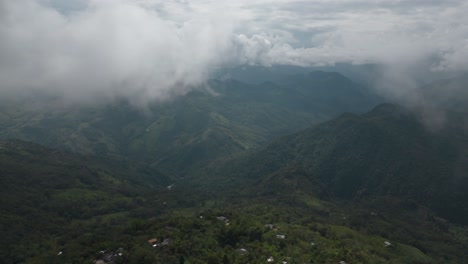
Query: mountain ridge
[
  {"x": 237, "y": 115},
  {"x": 387, "y": 151}
]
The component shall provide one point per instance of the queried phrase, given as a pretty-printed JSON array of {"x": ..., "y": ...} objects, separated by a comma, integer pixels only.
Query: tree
[{"x": 225, "y": 260}]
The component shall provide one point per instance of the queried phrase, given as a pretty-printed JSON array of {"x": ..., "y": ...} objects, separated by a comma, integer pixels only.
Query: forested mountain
[
  {"x": 233, "y": 132},
  {"x": 386, "y": 152},
  {"x": 221, "y": 119},
  {"x": 60, "y": 207},
  {"x": 216, "y": 176},
  {"x": 48, "y": 194}
]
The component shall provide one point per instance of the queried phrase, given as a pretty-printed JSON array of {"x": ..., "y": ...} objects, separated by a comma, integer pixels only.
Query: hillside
[
  {"x": 218, "y": 120},
  {"x": 358, "y": 188},
  {"x": 385, "y": 186},
  {"x": 49, "y": 194},
  {"x": 59, "y": 207},
  {"x": 386, "y": 152}
]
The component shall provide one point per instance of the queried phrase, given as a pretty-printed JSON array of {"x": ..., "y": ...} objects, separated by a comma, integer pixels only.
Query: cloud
[
  {"x": 155, "y": 49},
  {"x": 368, "y": 31},
  {"x": 109, "y": 49}
]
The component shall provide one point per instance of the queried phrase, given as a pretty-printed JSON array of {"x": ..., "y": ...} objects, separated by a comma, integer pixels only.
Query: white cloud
[
  {"x": 116, "y": 48},
  {"x": 152, "y": 49}
]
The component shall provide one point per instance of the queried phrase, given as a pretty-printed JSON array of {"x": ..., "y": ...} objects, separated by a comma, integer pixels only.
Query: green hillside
[
  {"x": 48, "y": 195},
  {"x": 205, "y": 176},
  {"x": 59, "y": 207},
  {"x": 387, "y": 152},
  {"x": 218, "y": 120}
]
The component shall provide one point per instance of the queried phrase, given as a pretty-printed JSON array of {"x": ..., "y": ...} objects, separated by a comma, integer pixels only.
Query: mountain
[
  {"x": 386, "y": 152},
  {"x": 221, "y": 119},
  {"x": 211, "y": 177},
  {"x": 258, "y": 74},
  {"x": 378, "y": 187},
  {"x": 60, "y": 207}
]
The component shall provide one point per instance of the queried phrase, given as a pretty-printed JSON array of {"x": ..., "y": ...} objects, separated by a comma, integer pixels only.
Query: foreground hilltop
[{"x": 49, "y": 195}]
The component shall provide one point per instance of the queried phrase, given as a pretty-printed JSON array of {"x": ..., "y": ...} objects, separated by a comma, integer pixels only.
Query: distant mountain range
[{"x": 221, "y": 119}]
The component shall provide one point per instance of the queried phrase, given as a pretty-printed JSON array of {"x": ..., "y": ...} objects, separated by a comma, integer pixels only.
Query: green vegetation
[
  {"x": 198, "y": 175},
  {"x": 49, "y": 194},
  {"x": 387, "y": 152},
  {"x": 184, "y": 134},
  {"x": 84, "y": 210}
]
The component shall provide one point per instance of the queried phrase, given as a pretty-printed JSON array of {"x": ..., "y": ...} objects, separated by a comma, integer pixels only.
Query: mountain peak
[
  {"x": 389, "y": 110},
  {"x": 386, "y": 108}
]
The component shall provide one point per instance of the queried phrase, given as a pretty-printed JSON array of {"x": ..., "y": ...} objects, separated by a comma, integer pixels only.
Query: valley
[{"x": 240, "y": 173}]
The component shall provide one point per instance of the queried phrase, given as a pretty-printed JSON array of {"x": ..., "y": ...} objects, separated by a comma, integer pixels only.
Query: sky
[{"x": 155, "y": 49}]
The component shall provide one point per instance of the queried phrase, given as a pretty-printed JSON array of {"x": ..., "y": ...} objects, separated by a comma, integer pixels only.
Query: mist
[{"x": 154, "y": 50}]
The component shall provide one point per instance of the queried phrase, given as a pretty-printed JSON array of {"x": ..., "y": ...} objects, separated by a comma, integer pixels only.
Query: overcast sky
[{"x": 153, "y": 49}]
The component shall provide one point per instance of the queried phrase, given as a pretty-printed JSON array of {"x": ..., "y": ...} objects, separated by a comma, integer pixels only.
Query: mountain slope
[
  {"x": 48, "y": 193},
  {"x": 60, "y": 207},
  {"x": 182, "y": 135},
  {"x": 386, "y": 152}
]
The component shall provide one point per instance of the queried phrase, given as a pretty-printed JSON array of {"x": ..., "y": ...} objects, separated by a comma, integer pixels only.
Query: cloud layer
[{"x": 154, "y": 49}]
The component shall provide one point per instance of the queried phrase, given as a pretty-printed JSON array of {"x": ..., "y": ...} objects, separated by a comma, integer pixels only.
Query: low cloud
[
  {"x": 109, "y": 49},
  {"x": 154, "y": 49}
]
